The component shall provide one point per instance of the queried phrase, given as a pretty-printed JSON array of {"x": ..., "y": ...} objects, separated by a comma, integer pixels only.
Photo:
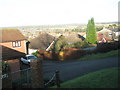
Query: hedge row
[{"x": 106, "y": 47}]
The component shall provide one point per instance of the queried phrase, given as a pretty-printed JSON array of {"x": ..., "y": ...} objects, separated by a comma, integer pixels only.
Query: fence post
[
  {"x": 37, "y": 73},
  {"x": 57, "y": 74}
]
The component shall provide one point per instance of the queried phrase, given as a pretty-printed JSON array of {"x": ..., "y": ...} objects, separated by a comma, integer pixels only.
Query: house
[
  {"x": 100, "y": 38},
  {"x": 42, "y": 41},
  {"x": 13, "y": 38},
  {"x": 104, "y": 35},
  {"x": 117, "y": 36},
  {"x": 73, "y": 37},
  {"x": 12, "y": 47},
  {"x": 107, "y": 34}
]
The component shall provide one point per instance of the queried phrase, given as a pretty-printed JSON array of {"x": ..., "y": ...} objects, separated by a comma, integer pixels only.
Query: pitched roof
[
  {"x": 42, "y": 41},
  {"x": 74, "y": 37},
  {"x": 9, "y": 35}
]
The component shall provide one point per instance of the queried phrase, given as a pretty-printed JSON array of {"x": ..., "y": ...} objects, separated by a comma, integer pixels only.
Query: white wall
[{"x": 32, "y": 51}]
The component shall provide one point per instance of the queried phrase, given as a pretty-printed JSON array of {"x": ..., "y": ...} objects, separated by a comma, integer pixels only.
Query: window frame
[{"x": 16, "y": 44}]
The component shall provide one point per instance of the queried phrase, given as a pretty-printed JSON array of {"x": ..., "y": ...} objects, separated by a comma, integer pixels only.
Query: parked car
[{"x": 27, "y": 59}]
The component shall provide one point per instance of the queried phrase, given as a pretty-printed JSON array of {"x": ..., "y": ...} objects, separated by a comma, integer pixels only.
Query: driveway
[{"x": 72, "y": 69}]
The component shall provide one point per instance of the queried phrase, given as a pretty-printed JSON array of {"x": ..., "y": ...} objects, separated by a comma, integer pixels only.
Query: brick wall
[
  {"x": 14, "y": 66},
  {"x": 22, "y": 48}
]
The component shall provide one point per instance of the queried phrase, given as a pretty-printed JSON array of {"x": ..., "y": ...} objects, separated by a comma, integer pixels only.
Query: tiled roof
[
  {"x": 8, "y": 35},
  {"x": 42, "y": 41}
]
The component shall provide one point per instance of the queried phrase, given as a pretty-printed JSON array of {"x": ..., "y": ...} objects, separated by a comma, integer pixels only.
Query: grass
[
  {"x": 106, "y": 78},
  {"x": 100, "y": 55}
]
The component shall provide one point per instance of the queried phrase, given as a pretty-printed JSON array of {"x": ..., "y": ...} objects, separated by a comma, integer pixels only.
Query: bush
[
  {"x": 80, "y": 44},
  {"x": 59, "y": 44},
  {"x": 35, "y": 53},
  {"x": 4, "y": 66},
  {"x": 105, "y": 47},
  {"x": 73, "y": 53}
]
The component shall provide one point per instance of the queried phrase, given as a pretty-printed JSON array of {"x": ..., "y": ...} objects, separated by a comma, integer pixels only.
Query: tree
[
  {"x": 110, "y": 26},
  {"x": 59, "y": 43},
  {"x": 91, "y": 35}
]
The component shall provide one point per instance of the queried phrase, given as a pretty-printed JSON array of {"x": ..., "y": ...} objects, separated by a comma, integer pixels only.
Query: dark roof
[
  {"x": 73, "y": 37},
  {"x": 9, "y": 35},
  {"x": 8, "y": 53},
  {"x": 42, "y": 41},
  {"x": 81, "y": 37}
]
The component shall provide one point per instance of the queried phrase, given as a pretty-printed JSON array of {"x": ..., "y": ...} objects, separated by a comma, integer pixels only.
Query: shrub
[
  {"x": 80, "y": 44},
  {"x": 4, "y": 66},
  {"x": 105, "y": 47},
  {"x": 73, "y": 53},
  {"x": 59, "y": 44},
  {"x": 35, "y": 53}
]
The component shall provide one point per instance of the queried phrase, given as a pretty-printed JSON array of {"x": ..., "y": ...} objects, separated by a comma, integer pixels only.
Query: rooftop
[{"x": 8, "y": 35}]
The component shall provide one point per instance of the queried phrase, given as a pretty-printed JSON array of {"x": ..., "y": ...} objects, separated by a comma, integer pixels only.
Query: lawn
[
  {"x": 100, "y": 55},
  {"x": 106, "y": 78}
]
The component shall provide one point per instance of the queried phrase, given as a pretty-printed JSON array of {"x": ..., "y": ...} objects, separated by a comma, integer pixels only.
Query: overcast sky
[{"x": 50, "y": 12}]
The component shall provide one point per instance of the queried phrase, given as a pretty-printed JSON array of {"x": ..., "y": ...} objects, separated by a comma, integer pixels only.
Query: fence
[
  {"x": 19, "y": 79},
  {"x": 22, "y": 79},
  {"x": 55, "y": 76}
]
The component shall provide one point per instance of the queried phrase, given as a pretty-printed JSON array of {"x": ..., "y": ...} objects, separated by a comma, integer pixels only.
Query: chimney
[{"x": 27, "y": 47}]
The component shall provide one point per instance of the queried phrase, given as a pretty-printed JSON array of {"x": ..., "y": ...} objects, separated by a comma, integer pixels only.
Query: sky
[{"x": 52, "y": 12}]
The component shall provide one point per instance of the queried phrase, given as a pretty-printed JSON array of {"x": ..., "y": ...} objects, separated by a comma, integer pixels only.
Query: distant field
[
  {"x": 106, "y": 78},
  {"x": 101, "y": 55}
]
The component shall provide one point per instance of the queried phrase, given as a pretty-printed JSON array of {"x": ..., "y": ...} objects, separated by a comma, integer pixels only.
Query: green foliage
[
  {"x": 80, "y": 44},
  {"x": 112, "y": 26},
  {"x": 4, "y": 66},
  {"x": 78, "y": 29},
  {"x": 113, "y": 53},
  {"x": 59, "y": 43},
  {"x": 106, "y": 78},
  {"x": 35, "y": 53},
  {"x": 66, "y": 30},
  {"x": 99, "y": 28},
  {"x": 91, "y": 35}
]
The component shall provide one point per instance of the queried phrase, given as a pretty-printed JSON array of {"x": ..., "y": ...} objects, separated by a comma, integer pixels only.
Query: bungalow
[{"x": 107, "y": 34}]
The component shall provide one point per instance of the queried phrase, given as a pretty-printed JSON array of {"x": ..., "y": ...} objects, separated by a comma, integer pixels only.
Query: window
[
  {"x": 110, "y": 34},
  {"x": 16, "y": 44},
  {"x": 31, "y": 57}
]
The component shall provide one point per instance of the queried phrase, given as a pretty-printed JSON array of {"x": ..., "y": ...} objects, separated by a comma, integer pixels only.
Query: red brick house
[
  {"x": 101, "y": 38},
  {"x": 13, "y": 38},
  {"x": 105, "y": 35},
  {"x": 12, "y": 47}
]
